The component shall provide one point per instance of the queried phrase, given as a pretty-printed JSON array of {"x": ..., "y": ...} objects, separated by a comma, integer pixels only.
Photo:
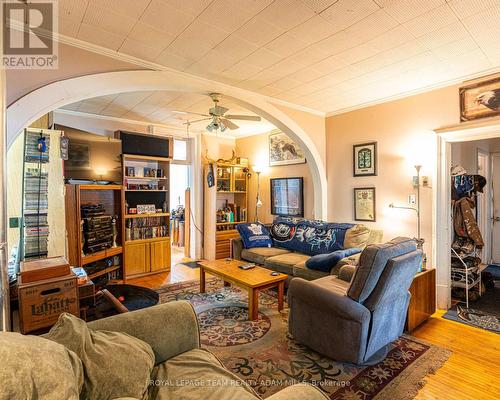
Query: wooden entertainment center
[{"x": 135, "y": 214}]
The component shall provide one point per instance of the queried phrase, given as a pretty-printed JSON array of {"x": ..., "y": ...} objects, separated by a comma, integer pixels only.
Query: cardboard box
[
  {"x": 42, "y": 269},
  {"x": 41, "y": 302}
]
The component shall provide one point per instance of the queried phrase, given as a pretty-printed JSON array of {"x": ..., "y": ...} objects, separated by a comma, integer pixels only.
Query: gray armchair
[{"x": 356, "y": 321}]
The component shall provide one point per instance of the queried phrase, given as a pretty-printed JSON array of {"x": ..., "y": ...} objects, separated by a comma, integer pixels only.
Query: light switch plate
[{"x": 412, "y": 199}]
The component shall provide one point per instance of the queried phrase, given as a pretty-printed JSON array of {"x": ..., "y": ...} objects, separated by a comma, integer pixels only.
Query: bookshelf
[
  {"x": 228, "y": 200},
  {"x": 146, "y": 218}
]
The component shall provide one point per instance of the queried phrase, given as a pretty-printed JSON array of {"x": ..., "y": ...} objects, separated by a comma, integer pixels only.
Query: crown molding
[{"x": 461, "y": 80}]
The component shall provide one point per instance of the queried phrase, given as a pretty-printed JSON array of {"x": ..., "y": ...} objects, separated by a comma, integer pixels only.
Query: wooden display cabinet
[
  {"x": 228, "y": 201},
  {"x": 147, "y": 236},
  {"x": 110, "y": 196}
]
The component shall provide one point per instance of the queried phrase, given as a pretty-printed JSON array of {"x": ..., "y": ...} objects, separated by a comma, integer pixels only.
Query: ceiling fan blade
[
  {"x": 218, "y": 111},
  {"x": 229, "y": 124},
  {"x": 189, "y": 112},
  {"x": 198, "y": 120},
  {"x": 243, "y": 117}
]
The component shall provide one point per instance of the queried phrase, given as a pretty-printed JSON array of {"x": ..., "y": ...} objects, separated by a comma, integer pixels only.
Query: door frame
[
  {"x": 442, "y": 224},
  {"x": 492, "y": 203},
  {"x": 485, "y": 205}
]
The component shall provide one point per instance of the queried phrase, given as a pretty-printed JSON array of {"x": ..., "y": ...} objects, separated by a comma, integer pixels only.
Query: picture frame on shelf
[
  {"x": 287, "y": 197},
  {"x": 283, "y": 150},
  {"x": 480, "y": 100},
  {"x": 365, "y": 204},
  {"x": 364, "y": 159}
]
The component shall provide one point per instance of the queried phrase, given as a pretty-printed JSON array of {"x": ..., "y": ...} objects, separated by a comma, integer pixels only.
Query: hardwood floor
[{"x": 472, "y": 371}]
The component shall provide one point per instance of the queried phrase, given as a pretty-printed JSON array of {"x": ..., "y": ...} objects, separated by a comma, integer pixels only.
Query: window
[{"x": 180, "y": 150}]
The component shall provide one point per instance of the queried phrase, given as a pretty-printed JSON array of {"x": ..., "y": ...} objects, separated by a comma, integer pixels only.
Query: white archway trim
[
  {"x": 55, "y": 95},
  {"x": 443, "y": 225}
]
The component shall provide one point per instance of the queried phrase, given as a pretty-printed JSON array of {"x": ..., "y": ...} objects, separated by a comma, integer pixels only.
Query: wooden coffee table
[{"x": 253, "y": 280}]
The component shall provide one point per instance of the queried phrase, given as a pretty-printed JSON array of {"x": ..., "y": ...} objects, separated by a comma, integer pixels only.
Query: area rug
[
  {"x": 190, "y": 264},
  {"x": 483, "y": 313},
  {"x": 262, "y": 353}
]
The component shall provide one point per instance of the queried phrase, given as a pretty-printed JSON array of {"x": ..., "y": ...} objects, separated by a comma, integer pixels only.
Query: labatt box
[{"x": 41, "y": 302}]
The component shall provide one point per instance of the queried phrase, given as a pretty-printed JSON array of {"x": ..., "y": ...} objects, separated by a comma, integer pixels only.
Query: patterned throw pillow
[{"x": 254, "y": 234}]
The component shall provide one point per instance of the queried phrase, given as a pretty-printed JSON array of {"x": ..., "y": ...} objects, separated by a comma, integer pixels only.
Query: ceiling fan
[{"x": 218, "y": 118}]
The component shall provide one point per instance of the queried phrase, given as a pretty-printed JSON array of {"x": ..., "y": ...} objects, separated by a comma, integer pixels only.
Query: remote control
[
  {"x": 247, "y": 266},
  {"x": 275, "y": 273}
]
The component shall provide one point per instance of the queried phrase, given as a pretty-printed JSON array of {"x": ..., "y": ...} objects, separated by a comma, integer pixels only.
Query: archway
[{"x": 50, "y": 97}]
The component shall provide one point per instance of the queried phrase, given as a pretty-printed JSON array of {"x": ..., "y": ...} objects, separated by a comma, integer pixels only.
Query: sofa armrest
[
  {"x": 326, "y": 299},
  {"x": 347, "y": 272},
  {"x": 236, "y": 246},
  {"x": 170, "y": 329},
  {"x": 349, "y": 260},
  {"x": 299, "y": 391}
]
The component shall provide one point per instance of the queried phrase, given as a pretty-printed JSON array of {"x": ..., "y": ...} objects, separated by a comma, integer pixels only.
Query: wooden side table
[{"x": 423, "y": 299}]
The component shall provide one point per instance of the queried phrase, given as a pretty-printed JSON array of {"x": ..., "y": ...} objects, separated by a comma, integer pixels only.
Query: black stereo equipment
[{"x": 92, "y": 210}]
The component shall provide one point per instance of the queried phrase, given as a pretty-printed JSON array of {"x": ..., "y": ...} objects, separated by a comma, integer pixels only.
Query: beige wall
[
  {"x": 255, "y": 148},
  {"x": 402, "y": 129},
  {"x": 313, "y": 124}
]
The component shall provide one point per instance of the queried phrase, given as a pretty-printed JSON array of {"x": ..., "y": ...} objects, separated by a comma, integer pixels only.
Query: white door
[
  {"x": 495, "y": 179},
  {"x": 484, "y": 204}
]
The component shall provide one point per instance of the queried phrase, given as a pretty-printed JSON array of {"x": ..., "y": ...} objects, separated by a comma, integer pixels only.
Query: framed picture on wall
[
  {"x": 364, "y": 204},
  {"x": 78, "y": 156},
  {"x": 365, "y": 159},
  {"x": 284, "y": 151},
  {"x": 480, "y": 100},
  {"x": 287, "y": 197}
]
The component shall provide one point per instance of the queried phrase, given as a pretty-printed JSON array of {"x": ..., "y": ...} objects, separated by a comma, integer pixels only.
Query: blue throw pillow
[
  {"x": 325, "y": 262},
  {"x": 308, "y": 236},
  {"x": 254, "y": 235}
]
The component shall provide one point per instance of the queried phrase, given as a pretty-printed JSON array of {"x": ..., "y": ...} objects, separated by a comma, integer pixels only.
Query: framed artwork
[
  {"x": 365, "y": 159},
  {"x": 78, "y": 156},
  {"x": 287, "y": 197},
  {"x": 364, "y": 204},
  {"x": 284, "y": 151},
  {"x": 480, "y": 100}
]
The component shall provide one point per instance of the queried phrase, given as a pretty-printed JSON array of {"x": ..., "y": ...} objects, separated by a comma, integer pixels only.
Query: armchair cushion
[
  {"x": 197, "y": 374},
  {"x": 115, "y": 364},
  {"x": 170, "y": 328},
  {"x": 254, "y": 235},
  {"x": 325, "y": 262},
  {"x": 372, "y": 262},
  {"x": 36, "y": 368}
]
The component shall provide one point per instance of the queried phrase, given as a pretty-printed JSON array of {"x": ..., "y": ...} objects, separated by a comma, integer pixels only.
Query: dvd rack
[
  {"x": 35, "y": 195},
  {"x": 146, "y": 228}
]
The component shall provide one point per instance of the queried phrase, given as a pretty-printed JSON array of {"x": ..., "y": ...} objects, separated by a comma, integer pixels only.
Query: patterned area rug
[{"x": 262, "y": 353}]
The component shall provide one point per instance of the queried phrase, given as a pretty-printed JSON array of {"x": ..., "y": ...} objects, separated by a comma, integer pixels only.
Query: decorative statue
[{"x": 113, "y": 230}]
